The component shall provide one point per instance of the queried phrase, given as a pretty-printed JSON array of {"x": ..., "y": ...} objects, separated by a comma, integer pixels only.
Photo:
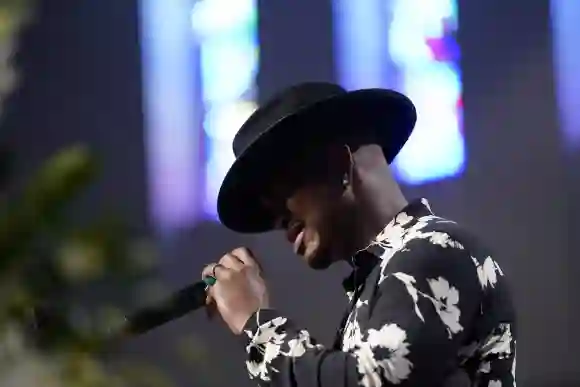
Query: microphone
[
  {"x": 46, "y": 320},
  {"x": 175, "y": 306}
]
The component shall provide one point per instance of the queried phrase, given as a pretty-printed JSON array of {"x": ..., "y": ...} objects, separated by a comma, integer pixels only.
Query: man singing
[{"x": 427, "y": 300}]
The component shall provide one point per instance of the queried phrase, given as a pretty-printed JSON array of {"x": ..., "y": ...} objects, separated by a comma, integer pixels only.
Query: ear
[
  {"x": 339, "y": 166},
  {"x": 340, "y": 160}
]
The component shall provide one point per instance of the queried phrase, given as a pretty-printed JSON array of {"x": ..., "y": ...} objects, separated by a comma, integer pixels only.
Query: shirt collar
[{"x": 365, "y": 260}]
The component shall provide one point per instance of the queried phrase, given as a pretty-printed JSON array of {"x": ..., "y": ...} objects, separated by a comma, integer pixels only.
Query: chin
[
  {"x": 320, "y": 265},
  {"x": 318, "y": 261}
]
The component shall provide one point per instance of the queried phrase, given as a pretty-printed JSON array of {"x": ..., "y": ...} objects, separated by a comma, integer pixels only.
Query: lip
[{"x": 293, "y": 231}]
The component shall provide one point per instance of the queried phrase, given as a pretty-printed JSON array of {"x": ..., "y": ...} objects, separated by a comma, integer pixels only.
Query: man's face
[{"x": 313, "y": 209}]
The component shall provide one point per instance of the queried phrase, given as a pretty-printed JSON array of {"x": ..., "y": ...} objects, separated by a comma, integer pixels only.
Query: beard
[{"x": 336, "y": 237}]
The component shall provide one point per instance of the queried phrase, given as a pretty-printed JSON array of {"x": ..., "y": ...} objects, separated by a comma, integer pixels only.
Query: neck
[
  {"x": 371, "y": 219},
  {"x": 379, "y": 200},
  {"x": 375, "y": 215}
]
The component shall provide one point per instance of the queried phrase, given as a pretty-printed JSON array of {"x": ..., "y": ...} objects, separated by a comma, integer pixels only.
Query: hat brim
[{"x": 385, "y": 114}]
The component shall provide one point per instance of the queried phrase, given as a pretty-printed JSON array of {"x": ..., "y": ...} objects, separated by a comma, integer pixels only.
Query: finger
[
  {"x": 220, "y": 271},
  {"x": 231, "y": 261},
  {"x": 207, "y": 270},
  {"x": 212, "y": 269},
  {"x": 210, "y": 306},
  {"x": 209, "y": 298},
  {"x": 245, "y": 255}
]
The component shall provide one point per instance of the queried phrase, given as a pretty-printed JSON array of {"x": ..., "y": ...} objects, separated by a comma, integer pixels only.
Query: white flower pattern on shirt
[
  {"x": 299, "y": 345},
  {"x": 409, "y": 282},
  {"x": 395, "y": 368},
  {"x": 267, "y": 341},
  {"x": 514, "y": 367},
  {"x": 445, "y": 302},
  {"x": 499, "y": 343},
  {"x": 487, "y": 272},
  {"x": 430, "y": 279}
]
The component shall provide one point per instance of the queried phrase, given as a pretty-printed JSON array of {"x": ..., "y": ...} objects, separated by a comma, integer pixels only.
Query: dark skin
[{"x": 331, "y": 205}]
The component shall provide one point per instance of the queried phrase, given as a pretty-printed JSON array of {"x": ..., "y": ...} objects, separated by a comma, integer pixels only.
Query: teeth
[{"x": 298, "y": 241}]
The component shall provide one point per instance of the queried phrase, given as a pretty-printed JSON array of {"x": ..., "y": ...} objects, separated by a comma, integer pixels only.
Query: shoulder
[
  {"x": 437, "y": 233},
  {"x": 441, "y": 235},
  {"x": 436, "y": 244},
  {"x": 433, "y": 244}
]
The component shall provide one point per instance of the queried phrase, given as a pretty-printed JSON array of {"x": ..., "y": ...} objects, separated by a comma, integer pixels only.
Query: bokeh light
[
  {"x": 410, "y": 46},
  {"x": 229, "y": 53}
]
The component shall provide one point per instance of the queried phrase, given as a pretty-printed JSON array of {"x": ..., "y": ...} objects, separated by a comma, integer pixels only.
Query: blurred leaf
[
  {"x": 15, "y": 299},
  {"x": 138, "y": 376},
  {"x": 83, "y": 370},
  {"x": 15, "y": 5},
  {"x": 69, "y": 268},
  {"x": 80, "y": 261},
  {"x": 109, "y": 319},
  {"x": 142, "y": 255},
  {"x": 54, "y": 186},
  {"x": 193, "y": 350}
]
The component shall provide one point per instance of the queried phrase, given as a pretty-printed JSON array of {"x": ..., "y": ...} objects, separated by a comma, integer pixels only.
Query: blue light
[
  {"x": 566, "y": 29},
  {"x": 226, "y": 31},
  {"x": 169, "y": 68},
  {"x": 408, "y": 45}
]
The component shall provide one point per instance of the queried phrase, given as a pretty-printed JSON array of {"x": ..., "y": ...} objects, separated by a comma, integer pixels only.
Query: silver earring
[{"x": 345, "y": 181}]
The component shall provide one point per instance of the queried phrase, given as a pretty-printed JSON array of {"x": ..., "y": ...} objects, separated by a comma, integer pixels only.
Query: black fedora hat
[{"x": 304, "y": 114}]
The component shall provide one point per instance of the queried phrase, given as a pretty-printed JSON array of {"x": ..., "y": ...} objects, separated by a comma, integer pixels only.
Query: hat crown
[{"x": 284, "y": 104}]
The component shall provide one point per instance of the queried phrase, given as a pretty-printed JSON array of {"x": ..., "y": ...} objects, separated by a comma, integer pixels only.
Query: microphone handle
[{"x": 177, "y": 305}]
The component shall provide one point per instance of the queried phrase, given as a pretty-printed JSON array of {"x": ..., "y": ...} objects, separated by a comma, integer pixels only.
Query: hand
[{"x": 239, "y": 290}]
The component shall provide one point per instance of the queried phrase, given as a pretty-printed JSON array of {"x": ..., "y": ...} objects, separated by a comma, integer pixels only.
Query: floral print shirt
[{"x": 428, "y": 302}]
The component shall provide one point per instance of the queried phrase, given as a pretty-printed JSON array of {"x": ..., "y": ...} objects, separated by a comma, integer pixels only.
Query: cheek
[
  {"x": 322, "y": 221},
  {"x": 311, "y": 238},
  {"x": 317, "y": 207},
  {"x": 320, "y": 236}
]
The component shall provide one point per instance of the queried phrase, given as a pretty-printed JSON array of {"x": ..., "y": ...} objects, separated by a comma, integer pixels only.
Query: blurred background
[{"x": 116, "y": 126}]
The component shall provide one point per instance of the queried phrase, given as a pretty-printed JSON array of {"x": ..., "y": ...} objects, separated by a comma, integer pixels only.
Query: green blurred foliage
[
  {"x": 58, "y": 280},
  {"x": 64, "y": 285},
  {"x": 11, "y": 14}
]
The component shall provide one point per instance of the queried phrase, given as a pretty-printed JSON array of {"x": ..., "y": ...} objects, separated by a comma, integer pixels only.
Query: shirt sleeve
[{"x": 424, "y": 302}]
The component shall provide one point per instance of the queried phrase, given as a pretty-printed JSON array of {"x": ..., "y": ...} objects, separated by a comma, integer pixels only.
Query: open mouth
[
  {"x": 295, "y": 235},
  {"x": 298, "y": 243}
]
